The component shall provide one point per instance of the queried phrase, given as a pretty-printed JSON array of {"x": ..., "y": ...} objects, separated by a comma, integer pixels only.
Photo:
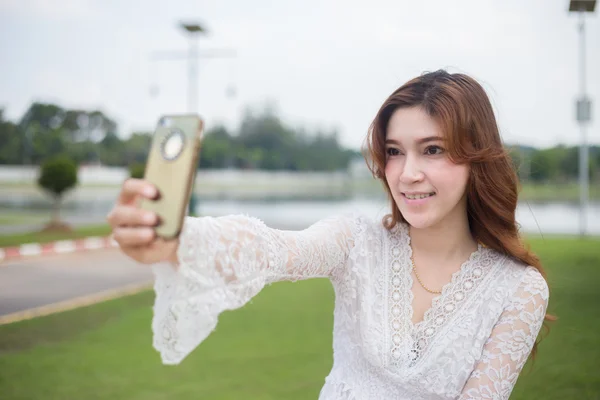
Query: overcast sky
[{"x": 325, "y": 63}]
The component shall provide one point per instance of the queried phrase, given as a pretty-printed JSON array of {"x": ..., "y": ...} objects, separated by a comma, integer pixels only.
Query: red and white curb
[{"x": 59, "y": 247}]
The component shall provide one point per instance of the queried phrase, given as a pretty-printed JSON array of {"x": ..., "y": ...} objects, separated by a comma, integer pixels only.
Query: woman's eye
[
  {"x": 436, "y": 150},
  {"x": 392, "y": 152}
]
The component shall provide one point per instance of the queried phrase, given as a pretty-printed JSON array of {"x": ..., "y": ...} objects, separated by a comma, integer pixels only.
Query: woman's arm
[
  {"x": 223, "y": 262},
  {"x": 511, "y": 341}
]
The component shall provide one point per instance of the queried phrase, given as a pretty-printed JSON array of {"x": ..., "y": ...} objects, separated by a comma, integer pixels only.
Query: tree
[
  {"x": 10, "y": 142},
  {"x": 137, "y": 170},
  {"x": 217, "y": 149},
  {"x": 266, "y": 132},
  {"x": 46, "y": 116},
  {"x": 569, "y": 165},
  {"x": 112, "y": 150},
  {"x": 57, "y": 176},
  {"x": 544, "y": 165},
  {"x": 136, "y": 147}
]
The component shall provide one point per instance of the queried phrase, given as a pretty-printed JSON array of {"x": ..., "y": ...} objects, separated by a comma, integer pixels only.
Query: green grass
[
  {"x": 556, "y": 192},
  {"x": 277, "y": 347},
  {"x": 34, "y": 185},
  {"x": 39, "y": 237},
  {"x": 567, "y": 363},
  {"x": 18, "y": 218}
]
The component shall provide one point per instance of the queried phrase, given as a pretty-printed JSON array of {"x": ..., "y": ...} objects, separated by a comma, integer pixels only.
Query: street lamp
[
  {"x": 194, "y": 30},
  {"x": 583, "y": 111}
]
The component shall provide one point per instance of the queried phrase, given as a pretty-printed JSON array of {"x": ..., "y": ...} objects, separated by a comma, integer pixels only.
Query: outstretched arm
[{"x": 224, "y": 262}]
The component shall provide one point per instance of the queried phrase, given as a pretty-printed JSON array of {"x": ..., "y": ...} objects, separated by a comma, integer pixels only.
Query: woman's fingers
[
  {"x": 132, "y": 188},
  {"x": 131, "y": 216},
  {"x": 131, "y": 237}
]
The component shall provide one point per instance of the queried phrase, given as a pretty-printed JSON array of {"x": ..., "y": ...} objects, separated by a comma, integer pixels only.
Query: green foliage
[
  {"x": 57, "y": 175},
  {"x": 10, "y": 143},
  {"x": 136, "y": 170},
  {"x": 544, "y": 165},
  {"x": 262, "y": 141}
]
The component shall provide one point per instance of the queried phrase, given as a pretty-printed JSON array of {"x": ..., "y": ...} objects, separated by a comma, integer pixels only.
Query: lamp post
[
  {"x": 583, "y": 111},
  {"x": 193, "y": 30}
]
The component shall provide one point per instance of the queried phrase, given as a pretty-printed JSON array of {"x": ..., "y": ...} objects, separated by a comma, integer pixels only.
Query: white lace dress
[{"x": 472, "y": 342}]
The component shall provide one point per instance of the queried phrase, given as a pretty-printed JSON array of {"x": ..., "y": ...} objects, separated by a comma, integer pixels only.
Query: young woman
[{"x": 440, "y": 300}]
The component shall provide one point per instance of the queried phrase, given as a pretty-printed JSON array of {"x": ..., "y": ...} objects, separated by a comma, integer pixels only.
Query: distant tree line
[
  {"x": 262, "y": 141},
  {"x": 558, "y": 164}
]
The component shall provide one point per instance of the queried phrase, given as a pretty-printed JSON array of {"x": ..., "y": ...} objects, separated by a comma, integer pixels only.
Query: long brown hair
[{"x": 463, "y": 111}]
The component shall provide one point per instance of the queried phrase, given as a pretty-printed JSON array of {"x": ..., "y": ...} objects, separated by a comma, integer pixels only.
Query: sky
[{"x": 323, "y": 64}]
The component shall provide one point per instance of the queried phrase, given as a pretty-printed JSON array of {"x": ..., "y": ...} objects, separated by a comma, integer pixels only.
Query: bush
[
  {"x": 136, "y": 170},
  {"x": 57, "y": 176}
]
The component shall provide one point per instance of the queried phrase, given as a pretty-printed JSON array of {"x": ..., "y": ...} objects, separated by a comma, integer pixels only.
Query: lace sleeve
[
  {"x": 224, "y": 262},
  {"x": 511, "y": 341}
]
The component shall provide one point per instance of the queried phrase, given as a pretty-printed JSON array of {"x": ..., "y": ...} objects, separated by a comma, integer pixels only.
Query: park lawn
[
  {"x": 276, "y": 347},
  {"x": 39, "y": 237},
  {"x": 556, "y": 192},
  {"x": 18, "y": 218}
]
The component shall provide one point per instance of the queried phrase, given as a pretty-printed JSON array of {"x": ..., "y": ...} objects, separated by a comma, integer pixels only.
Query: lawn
[
  {"x": 39, "y": 237},
  {"x": 18, "y": 218},
  {"x": 277, "y": 347}
]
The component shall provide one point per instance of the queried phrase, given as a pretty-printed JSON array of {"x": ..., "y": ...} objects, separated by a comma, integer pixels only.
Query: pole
[
  {"x": 193, "y": 31},
  {"x": 193, "y": 74},
  {"x": 193, "y": 103},
  {"x": 583, "y": 149}
]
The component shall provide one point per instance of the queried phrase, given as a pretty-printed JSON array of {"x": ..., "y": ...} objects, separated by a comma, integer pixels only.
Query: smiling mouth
[{"x": 418, "y": 196}]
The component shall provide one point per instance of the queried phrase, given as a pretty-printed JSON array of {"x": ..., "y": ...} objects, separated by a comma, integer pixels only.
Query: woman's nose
[{"x": 411, "y": 170}]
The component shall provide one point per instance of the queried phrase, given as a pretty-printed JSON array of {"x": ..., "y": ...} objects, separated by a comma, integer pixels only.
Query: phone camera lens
[{"x": 173, "y": 144}]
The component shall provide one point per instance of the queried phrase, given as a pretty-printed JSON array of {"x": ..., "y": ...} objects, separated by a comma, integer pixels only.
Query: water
[{"x": 540, "y": 218}]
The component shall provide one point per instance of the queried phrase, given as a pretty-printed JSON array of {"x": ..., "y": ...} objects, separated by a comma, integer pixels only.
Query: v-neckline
[
  {"x": 446, "y": 289},
  {"x": 407, "y": 340}
]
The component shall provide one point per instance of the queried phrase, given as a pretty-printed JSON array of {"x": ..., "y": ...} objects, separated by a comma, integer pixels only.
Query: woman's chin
[{"x": 419, "y": 221}]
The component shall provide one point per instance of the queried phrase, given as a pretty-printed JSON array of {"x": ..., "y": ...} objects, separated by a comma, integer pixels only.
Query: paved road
[{"x": 39, "y": 281}]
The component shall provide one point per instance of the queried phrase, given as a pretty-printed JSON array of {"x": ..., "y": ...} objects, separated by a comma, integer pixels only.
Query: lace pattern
[
  {"x": 407, "y": 340},
  {"x": 471, "y": 344},
  {"x": 511, "y": 341},
  {"x": 224, "y": 262}
]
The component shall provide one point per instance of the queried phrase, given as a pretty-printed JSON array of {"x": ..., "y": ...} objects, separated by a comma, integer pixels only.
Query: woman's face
[{"x": 427, "y": 187}]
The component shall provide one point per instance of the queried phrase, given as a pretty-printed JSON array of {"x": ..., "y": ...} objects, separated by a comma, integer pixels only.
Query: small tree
[
  {"x": 136, "y": 170},
  {"x": 57, "y": 176}
]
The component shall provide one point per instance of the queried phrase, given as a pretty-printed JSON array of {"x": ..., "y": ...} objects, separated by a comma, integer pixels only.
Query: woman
[{"x": 441, "y": 300}]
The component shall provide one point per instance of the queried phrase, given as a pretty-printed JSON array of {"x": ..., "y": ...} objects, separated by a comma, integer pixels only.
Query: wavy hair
[{"x": 464, "y": 113}]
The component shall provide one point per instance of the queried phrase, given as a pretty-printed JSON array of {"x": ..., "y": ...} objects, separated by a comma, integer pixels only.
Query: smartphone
[{"x": 171, "y": 167}]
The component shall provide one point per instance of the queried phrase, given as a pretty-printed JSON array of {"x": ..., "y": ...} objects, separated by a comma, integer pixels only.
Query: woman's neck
[{"x": 448, "y": 242}]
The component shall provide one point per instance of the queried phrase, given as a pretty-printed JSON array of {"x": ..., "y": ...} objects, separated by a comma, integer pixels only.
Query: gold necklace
[
  {"x": 419, "y": 279},
  {"x": 414, "y": 268}
]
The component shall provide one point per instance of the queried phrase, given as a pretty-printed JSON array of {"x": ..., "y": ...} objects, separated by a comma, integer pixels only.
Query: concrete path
[{"x": 63, "y": 281}]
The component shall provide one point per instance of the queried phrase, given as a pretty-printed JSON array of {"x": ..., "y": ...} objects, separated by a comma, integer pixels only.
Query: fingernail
[
  {"x": 150, "y": 191},
  {"x": 150, "y": 218}
]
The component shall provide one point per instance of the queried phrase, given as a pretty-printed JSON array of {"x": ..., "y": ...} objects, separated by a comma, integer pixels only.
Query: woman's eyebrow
[{"x": 419, "y": 141}]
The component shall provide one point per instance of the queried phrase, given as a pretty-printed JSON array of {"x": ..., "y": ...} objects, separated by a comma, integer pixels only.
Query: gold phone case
[{"x": 171, "y": 167}]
